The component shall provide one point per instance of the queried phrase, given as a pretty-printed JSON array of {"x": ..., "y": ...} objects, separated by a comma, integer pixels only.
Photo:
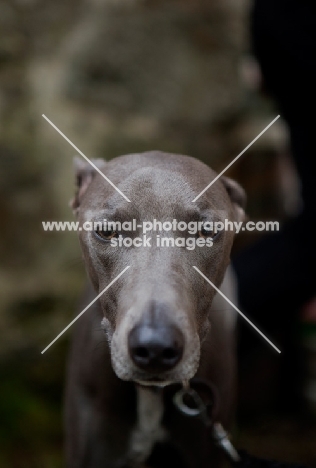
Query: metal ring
[{"x": 178, "y": 400}]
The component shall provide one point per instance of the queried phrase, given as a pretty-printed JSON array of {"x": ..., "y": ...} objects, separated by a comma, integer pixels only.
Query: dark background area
[{"x": 119, "y": 77}]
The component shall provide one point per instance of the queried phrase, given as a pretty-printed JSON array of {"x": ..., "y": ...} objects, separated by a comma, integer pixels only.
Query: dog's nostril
[
  {"x": 169, "y": 353},
  {"x": 141, "y": 352}
]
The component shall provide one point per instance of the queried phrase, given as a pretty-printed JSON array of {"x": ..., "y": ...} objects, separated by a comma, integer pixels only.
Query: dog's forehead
[
  {"x": 158, "y": 194},
  {"x": 157, "y": 164},
  {"x": 159, "y": 185}
]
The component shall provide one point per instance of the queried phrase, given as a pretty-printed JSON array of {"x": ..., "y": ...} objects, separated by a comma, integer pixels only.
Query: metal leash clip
[
  {"x": 221, "y": 439},
  {"x": 189, "y": 402}
]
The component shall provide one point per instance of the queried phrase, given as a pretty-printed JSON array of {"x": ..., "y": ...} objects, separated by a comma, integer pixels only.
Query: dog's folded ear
[
  {"x": 84, "y": 173},
  {"x": 237, "y": 196}
]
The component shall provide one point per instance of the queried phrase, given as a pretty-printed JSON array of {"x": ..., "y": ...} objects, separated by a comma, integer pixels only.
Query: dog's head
[{"x": 156, "y": 315}]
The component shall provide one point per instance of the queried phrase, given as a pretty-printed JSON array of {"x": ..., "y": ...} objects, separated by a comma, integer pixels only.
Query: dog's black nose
[{"x": 155, "y": 349}]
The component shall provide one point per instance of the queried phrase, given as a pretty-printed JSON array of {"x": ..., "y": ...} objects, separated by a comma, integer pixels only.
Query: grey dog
[{"x": 158, "y": 324}]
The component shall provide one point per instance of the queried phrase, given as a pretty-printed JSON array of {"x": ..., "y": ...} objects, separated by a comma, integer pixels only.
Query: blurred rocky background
[{"x": 116, "y": 76}]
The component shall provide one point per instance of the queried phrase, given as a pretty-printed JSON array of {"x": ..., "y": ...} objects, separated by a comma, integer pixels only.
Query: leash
[{"x": 188, "y": 402}]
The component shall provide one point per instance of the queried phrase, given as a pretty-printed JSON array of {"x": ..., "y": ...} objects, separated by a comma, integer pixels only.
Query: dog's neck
[{"x": 148, "y": 429}]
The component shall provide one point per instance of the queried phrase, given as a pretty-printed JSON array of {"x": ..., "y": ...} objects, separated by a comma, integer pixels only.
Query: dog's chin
[
  {"x": 154, "y": 383},
  {"x": 163, "y": 379},
  {"x": 159, "y": 380},
  {"x": 147, "y": 380}
]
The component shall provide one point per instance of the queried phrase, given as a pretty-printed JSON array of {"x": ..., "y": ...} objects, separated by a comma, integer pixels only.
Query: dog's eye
[
  {"x": 106, "y": 235},
  {"x": 207, "y": 233}
]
